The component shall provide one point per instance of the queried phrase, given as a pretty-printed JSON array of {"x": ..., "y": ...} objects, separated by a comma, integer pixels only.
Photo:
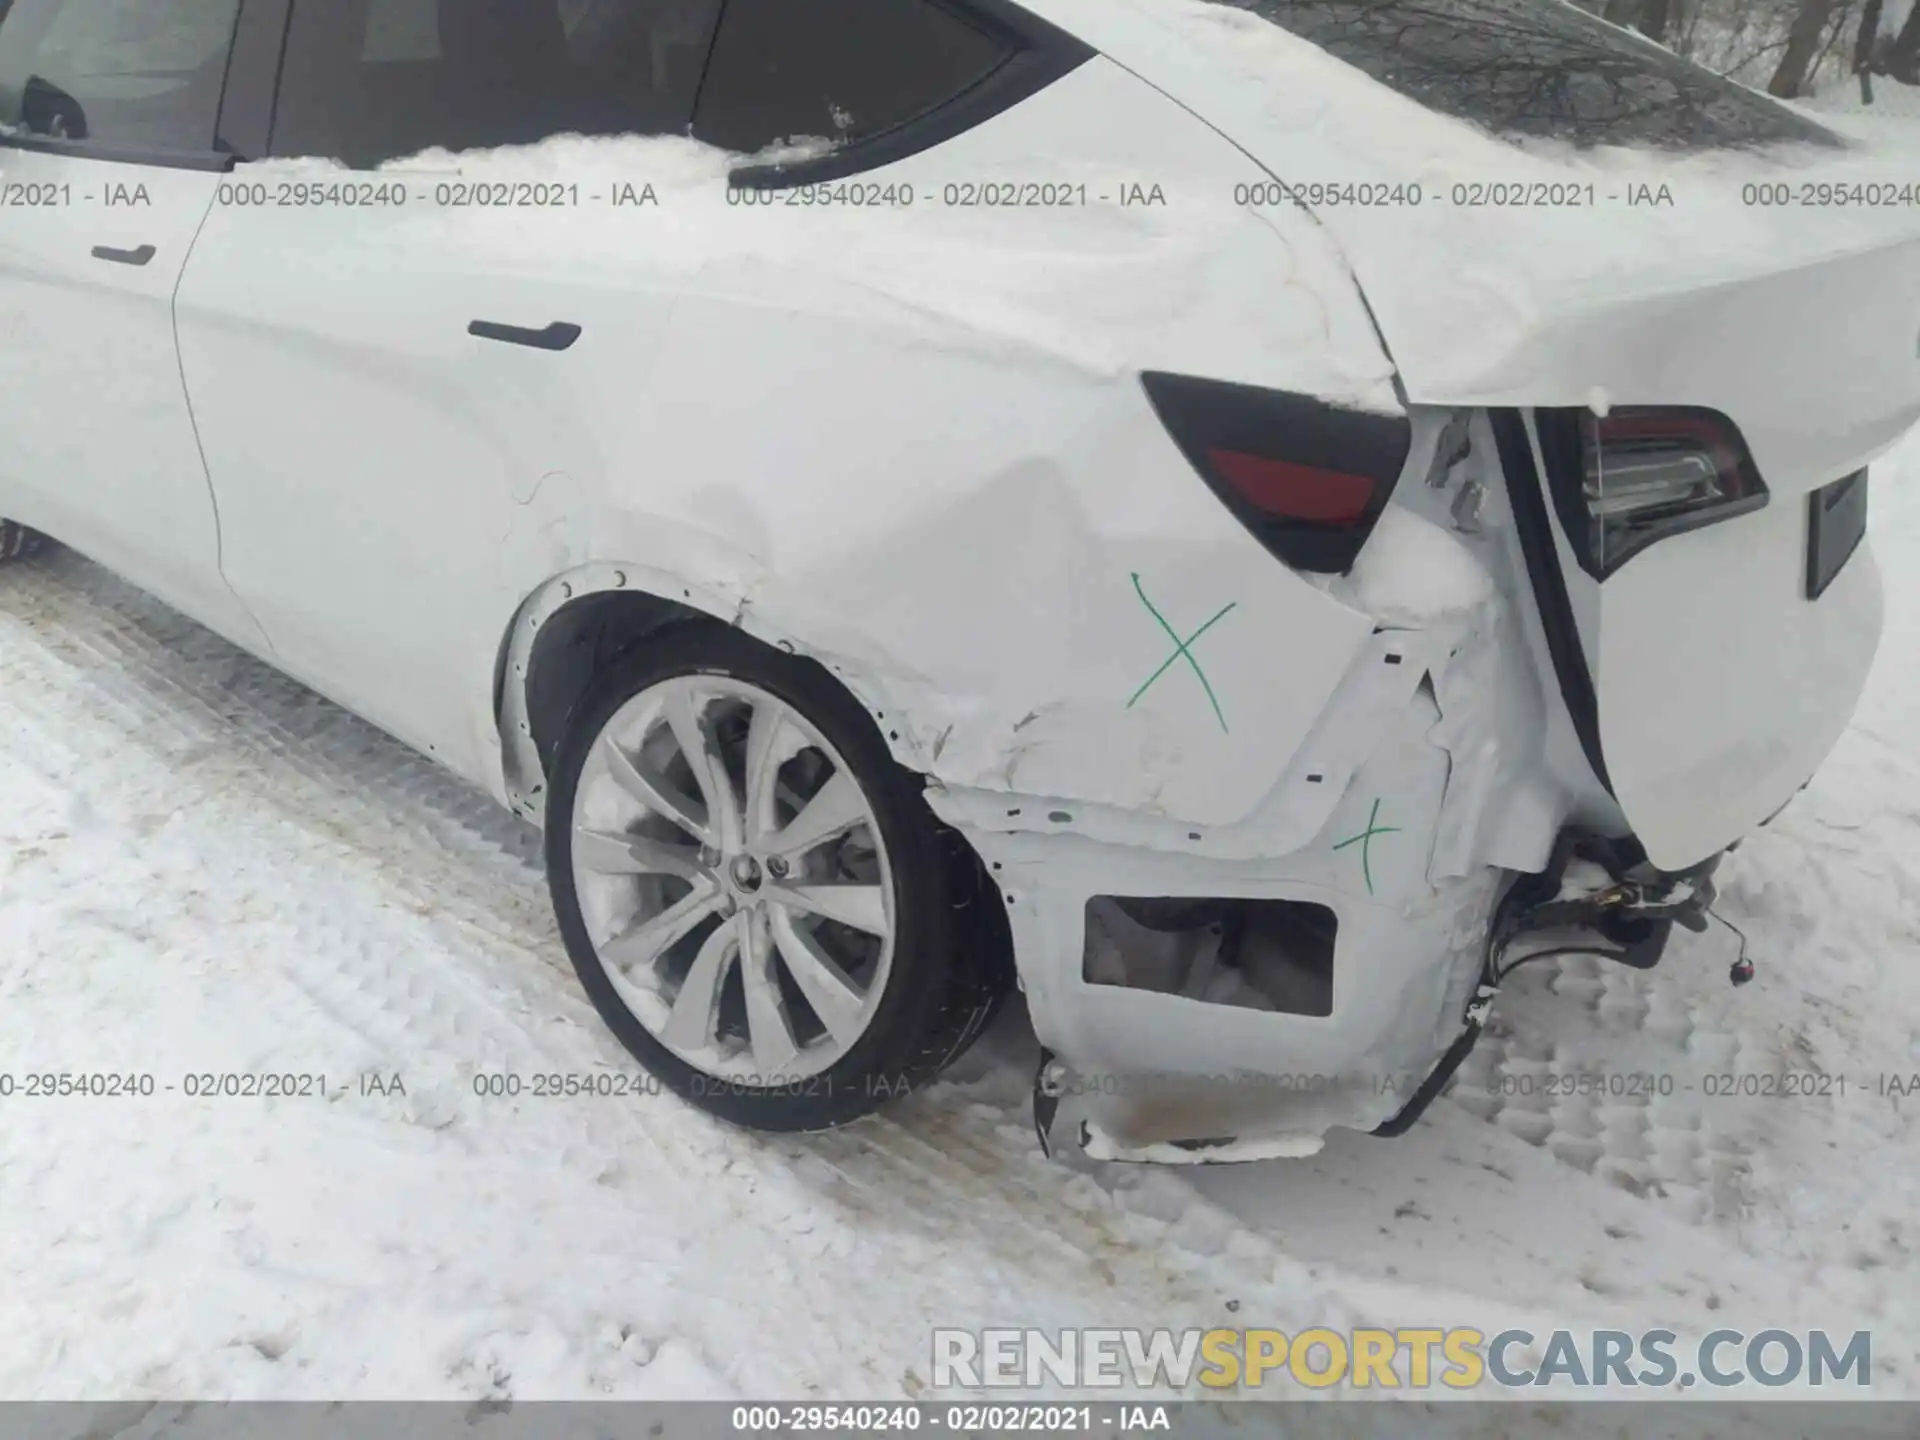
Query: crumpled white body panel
[{"x": 911, "y": 441}]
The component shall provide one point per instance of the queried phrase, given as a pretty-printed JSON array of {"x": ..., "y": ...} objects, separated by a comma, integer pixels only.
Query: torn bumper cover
[
  {"x": 1246, "y": 1005},
  {"x": 1597, "y": 896},
  {"x": 1212, "y": 992},
  {"x": 1200, "y": 1001},
  {"x": 1215, "y": 1071}
]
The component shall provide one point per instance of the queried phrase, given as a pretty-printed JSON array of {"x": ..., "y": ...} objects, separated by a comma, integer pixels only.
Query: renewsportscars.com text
[{"x": 1457, "y": 1358}]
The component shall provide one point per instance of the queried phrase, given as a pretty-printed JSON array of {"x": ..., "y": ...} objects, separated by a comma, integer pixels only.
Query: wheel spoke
[
  {"x": 641, "y": 945},
  {"x": 769, "y": 1030},
  {"x": 764, "y": 758},
  {"x": 834, "y": 997},
  {"x": 656, "y": 794},
  {"x": 683, "y": 716},
  {"x": 863, "y": 907},
  {"x": 605, "y": 853},
  {"x": 835, "y": 809},
  {"x": 696, "y": 1009}
]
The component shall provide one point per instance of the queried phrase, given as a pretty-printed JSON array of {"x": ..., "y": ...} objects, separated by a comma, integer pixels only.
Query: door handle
[
  {"x": 125, "y": 257},
  {"x": 557, "y": 336}
]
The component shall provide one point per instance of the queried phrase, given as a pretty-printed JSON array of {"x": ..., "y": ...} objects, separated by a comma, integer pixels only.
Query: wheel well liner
[{"x": 579, "y": 640}]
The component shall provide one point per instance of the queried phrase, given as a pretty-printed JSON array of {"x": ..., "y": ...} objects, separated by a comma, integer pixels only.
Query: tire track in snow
[
  {"x": 1600, "y": 1068},
  {"x": 164, "y": 680},
  {"x": 953, "y": 1182}
]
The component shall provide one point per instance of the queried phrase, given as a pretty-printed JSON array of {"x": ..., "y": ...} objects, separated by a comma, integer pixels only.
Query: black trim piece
[
  {"x": 245, "y": 127},
  {"x": 1534, "y": 528},
  {"x": 1560, "y": 446},
  {"x": 1023, "y": 28},
  {"x": 1558, "y": 432},
  {"x": 560, "y": 335},
  {"x": 141, "y": 256},
  {"x": 1836, "y": 524},
  {"x": 1205, "y": 414},
  {"x": 121, "y": 154},
  {"x": 1042, "y": 54},
  {"x": 706, "y": 64},
  {"x": 1402, "y": 1120}
]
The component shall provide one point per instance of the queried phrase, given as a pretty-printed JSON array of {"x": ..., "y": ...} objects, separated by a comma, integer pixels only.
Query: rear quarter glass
[
  {"x": 837, "y": 70},
  {"x": 1539, "y": 69}
]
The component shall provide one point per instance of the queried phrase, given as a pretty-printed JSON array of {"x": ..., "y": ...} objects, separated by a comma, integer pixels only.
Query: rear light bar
[
  {"x": 1308, "y": 479},
  {"x": 1637, "y": 475}
]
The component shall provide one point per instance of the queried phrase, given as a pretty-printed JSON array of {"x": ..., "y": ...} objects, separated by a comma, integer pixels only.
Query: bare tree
[
  {"x": 1789, "y": 47},
  {"x": 1657, "y": 19},
  {"x": 1863, "y": 47},
  {"x": 1841, "y": 16},
  {"x": 1806, "y": 38}
]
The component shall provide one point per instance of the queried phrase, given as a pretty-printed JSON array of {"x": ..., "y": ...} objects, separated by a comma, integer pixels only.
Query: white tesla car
[{"x": 1231, "y": 516}]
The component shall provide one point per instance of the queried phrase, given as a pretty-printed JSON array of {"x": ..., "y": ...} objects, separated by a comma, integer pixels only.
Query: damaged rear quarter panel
[{"x": 912, "y": 443}]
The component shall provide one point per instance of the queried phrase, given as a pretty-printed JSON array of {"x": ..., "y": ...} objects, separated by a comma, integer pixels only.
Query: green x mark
[
  {"x": 1182, "y": 650},
  {"x": 1365, "y": 841}
]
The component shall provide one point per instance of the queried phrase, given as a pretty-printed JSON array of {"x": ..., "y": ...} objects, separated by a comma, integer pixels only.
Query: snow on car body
[{"x": 1221, "y": 571}]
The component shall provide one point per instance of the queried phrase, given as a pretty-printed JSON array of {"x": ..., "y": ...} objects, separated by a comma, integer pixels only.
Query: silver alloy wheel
[{"x": 733, "y": 880}]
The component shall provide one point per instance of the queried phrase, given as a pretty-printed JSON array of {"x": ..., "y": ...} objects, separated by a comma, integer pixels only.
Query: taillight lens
[
  {"x": 1645, "y": 474},
  {"x": 1308, "y": 479}
]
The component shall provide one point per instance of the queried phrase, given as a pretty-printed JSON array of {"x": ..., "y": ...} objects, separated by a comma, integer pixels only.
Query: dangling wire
[
  {"x": 1553, "y": 954},
  {"x": 1742, "y": 968},
  {"x": 1736, "y": 930}
]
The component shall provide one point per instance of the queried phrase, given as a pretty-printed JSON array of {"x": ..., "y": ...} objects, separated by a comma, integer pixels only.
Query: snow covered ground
[{"x": 204, "y": 868}]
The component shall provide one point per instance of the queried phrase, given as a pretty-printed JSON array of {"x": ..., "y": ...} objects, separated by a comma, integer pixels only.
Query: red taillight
[
  {"x": 1648, "y": 473},
  {"x": 1297, "y": 492},
  {"x": 1308, "y": 479}
]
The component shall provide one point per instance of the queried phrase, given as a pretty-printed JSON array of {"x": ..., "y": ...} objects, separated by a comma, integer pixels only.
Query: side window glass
[
  {"x": 116, "y": 72},
  {"x": 401, "y": 30},
  {"x": 835, "y": 70},
  {"x": 367, "y": 81}
]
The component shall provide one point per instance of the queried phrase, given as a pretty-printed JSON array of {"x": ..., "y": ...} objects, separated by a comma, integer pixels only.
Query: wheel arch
[{"x": 582, "y": 618}]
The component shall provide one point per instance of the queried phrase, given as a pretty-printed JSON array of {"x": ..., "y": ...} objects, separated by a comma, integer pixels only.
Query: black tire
[
  {"x": 16, "y": 541},
  {"x": 952, "y": 960}
]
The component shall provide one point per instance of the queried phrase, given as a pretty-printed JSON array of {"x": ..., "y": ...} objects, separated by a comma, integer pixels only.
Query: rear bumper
[
  {"x": 1155, "y": 1055},
  {"x": 1149, "y": 1070}
]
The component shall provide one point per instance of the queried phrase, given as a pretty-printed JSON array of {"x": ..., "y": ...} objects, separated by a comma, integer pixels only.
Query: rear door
[
  {"x": 110, "y": 156},
  {"x": 393, "y": 367}
]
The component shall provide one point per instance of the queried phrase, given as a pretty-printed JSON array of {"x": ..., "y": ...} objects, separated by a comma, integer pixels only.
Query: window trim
[
  {"x": 1042, "y": 54},
  {"x": 159, "y": 158},
  {"x": 212, "y": 160},
  {"x": 244, "y": 130}
]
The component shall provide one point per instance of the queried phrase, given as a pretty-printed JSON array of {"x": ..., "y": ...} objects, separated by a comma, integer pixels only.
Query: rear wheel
[
  {"x": 754, "y": 894},
  {"x": 16, "y": 540}
]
